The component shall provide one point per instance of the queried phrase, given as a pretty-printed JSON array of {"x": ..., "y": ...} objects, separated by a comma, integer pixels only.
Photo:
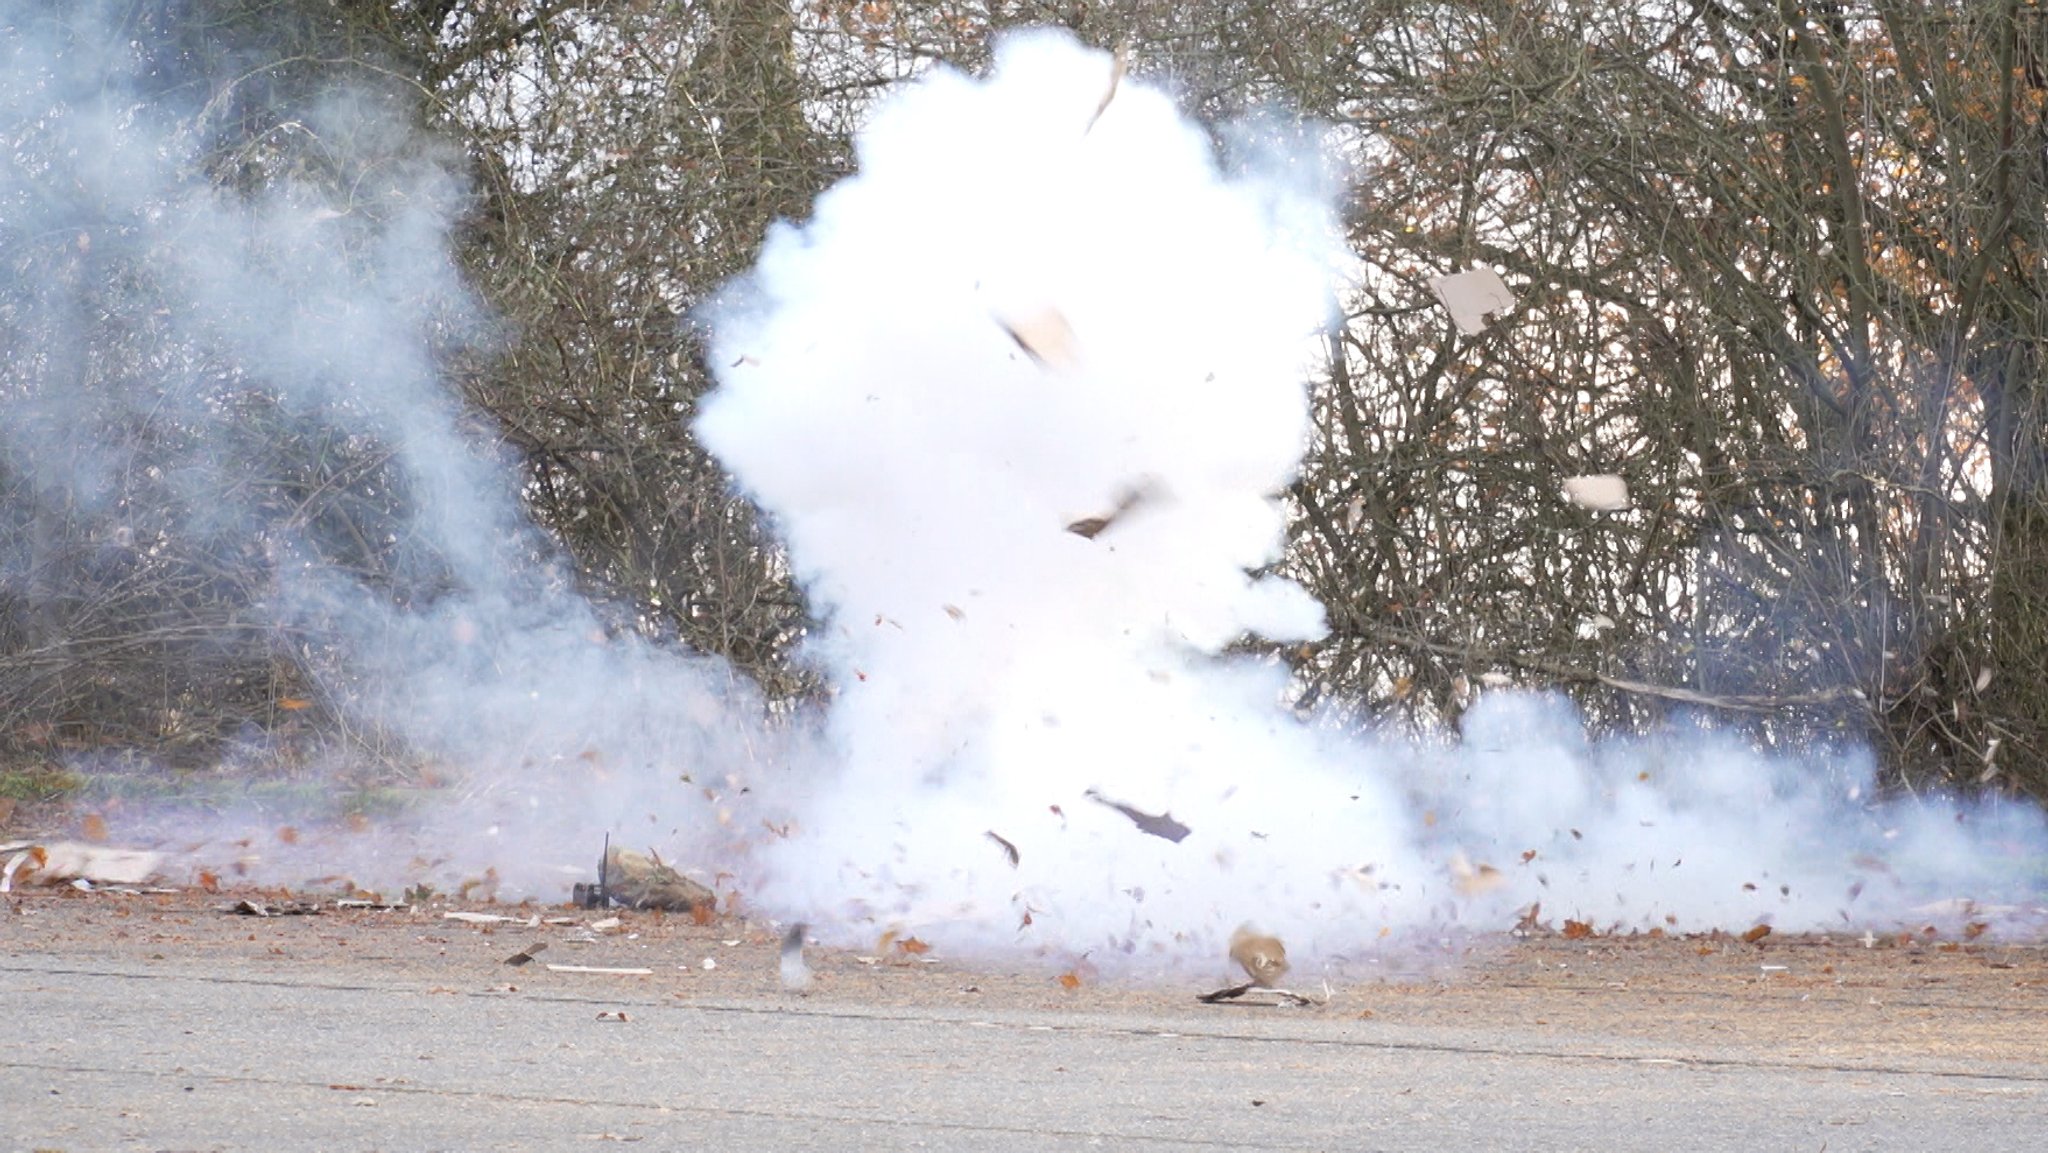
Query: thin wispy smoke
[{"x": 190, "y": 362}]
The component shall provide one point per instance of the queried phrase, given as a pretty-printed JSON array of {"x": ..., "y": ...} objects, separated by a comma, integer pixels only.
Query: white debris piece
[
  {"x": 57, "y": 862},
  {"x": 1046, "y": 337},
  {"x": 1601, "y": 492},
  {"x": 1472, "y": 296},
  {"x": 1592, "y": 626}
]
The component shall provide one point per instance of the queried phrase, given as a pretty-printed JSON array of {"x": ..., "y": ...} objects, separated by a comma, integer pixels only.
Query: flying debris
[
  {"x": 1046, "y": 337},
  {"x": 796, "y": 974},
  {"x": 1471, "y": 297},
  {"x": 1010, "y": 852},
  {"x": 1088, "y": 528},
  {"x": 1117, "y": 69},
  {"x": 1601, "y": 492},
  {"x": 1162, "y": 825},
  {"x": 1471, "y": 879},
  {"x": 1263, "y": 958}
]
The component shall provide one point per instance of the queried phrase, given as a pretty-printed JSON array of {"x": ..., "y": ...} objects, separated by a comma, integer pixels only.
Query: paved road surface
[{"x": 288, "y": 1046}]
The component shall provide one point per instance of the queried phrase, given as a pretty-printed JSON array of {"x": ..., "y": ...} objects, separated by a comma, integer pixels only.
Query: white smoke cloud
[{"x": 1011, "y": 321}]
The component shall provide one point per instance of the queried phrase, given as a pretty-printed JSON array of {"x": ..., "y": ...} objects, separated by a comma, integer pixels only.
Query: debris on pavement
[
  {"x": 1250, "y": 993},
  {"x": 1263, "y": 957},
  {"x": 467, "y": 918},
  {"x": 249, "y": 908},
  {"x": 616, "y": 972},
  {"x": 644, "y": 881}
]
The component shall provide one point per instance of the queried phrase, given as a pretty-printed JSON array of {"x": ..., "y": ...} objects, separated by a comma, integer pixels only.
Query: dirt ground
[{"x": 1900, "y": 1002}]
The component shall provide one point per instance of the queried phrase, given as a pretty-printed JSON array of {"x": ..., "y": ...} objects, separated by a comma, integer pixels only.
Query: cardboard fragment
[{"x": 1471, "y": 297}]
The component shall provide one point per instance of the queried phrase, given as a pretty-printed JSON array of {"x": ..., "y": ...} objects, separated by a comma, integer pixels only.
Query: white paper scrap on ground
[
  {"x": 1472, "y": 296},
  {"x": 55, "y": 862}
]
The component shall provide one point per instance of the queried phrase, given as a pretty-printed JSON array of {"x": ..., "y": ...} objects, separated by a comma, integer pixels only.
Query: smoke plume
[{"x": 1020, "y": 398}]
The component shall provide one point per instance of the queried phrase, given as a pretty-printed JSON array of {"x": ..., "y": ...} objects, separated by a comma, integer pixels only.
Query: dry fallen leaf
[
  {"x": 93, "y": 828},
  {"x": 1577, "y": 930},
  {"x": 1756, "y": 934},
  {"x": 913, "y": 946},
  {"x": 294, "y": 704},
  {"x": 1069, "y": 982}
]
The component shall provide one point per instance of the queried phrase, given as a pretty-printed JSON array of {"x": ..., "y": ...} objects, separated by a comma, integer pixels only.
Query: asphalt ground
[{"x": 162, "y": 1022}]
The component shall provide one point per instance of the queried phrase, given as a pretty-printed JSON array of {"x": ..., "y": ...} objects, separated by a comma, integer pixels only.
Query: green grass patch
[{"x": 40, "y": 783}]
